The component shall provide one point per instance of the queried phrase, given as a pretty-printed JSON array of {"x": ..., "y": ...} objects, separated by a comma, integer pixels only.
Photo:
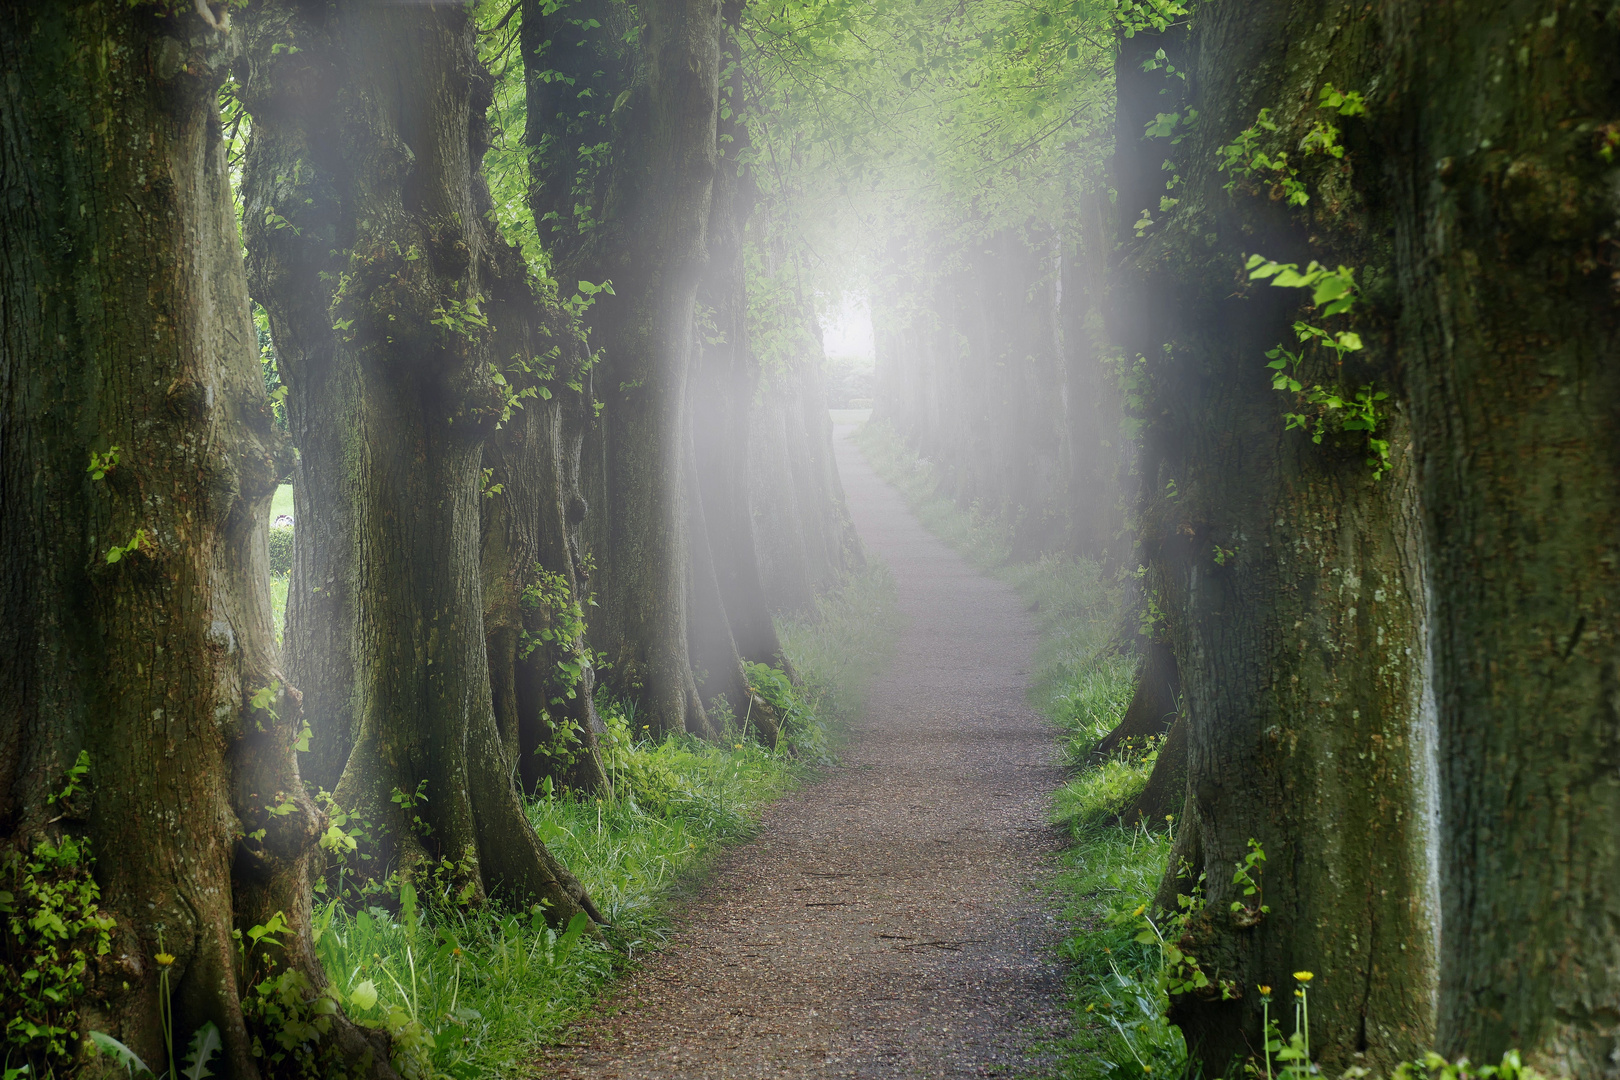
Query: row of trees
[
  {"x": 1348, "y": 278},
  {"x": 535, "y": 454}
]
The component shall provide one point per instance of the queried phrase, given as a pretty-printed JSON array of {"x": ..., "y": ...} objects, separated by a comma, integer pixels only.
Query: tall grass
[
  {"x": 487, "y": 986},
  {"x": 1083, "y": 684},
  {"x": 477, "y": 990},
  {"x": 278, "y": 602}
]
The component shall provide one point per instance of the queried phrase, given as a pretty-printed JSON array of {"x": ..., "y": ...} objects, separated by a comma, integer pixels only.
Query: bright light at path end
[{"x": 846, "y": 330}]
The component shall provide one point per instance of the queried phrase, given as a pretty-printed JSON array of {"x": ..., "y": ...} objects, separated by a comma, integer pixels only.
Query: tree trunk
[
  {"x": 1289, "y": 578},
  {"x": 1166, "y": 790},
  {"x": 536, "y": 576},
  {"x": 1153, "y": 705},
  {"x": 1509, "y": 166},
  {"x": 638, "y": 220},
  {"x": 725, "y": 379},
  {"x": 370, "y": 251},
  {"x": 802, "y": 529},
  {"x": 1098, "y": 447},
  {"x": 135, "y": 607}
]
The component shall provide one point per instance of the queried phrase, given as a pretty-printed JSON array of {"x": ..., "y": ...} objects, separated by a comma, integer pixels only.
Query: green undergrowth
[
  {"x": 481, "y": 989},
  {"x": 1083, "y": 682},
  {"x": 278, "y": 602}
]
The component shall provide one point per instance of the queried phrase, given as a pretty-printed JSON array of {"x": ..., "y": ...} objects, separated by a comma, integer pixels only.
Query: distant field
[{"x": 282, "y": 503}]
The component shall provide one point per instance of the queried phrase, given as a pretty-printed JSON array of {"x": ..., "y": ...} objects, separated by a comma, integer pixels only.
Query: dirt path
[{"x": 883, "y": 923}]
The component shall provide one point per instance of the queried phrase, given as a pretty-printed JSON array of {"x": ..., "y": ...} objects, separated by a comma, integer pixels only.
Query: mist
[{"x": 1043, "y": 524}]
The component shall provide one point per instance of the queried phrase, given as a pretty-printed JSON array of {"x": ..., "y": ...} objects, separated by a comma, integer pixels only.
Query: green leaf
[
  {"x": 364, "y": 996},
  {"x": 123, "y": 1054},
  {"x": 570, "y": 938},
  {"x": 204, "y": 1045}
]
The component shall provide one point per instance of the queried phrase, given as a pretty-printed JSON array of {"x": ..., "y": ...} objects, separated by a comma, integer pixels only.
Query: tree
[
  {"x": 372, "y": 250},
  {"x": 623, "y": 103},
  {"x": 536, "y": 573},
  {"x": 1283, "y": 556},
  {"x": 145, "y": 723},
  {"x": 805, "y": 540},
  {"x": 1505, "y": 208},
  {"x": 729, "y": 622}
]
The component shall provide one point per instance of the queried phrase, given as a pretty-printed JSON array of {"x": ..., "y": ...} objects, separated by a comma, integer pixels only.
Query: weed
[{"x": 52, "y": 930}]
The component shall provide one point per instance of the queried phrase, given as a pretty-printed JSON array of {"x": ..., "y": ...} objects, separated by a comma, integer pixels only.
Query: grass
[
  {"x": 278, "y": 602},
  {"x": 281, "y": 502},
  {"x": 488, "y": 987},
  {"x": 1083, "y": 684},
  {"x": 473, "y": 993}
]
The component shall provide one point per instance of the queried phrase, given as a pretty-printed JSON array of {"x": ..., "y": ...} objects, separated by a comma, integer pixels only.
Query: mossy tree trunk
[
  {"x": 135, "y": 609},
  {"x": 536, "y": 572},
  {"x": 1508, "y": 210},
  {"x": 636, "y": 216},
  {"x": 1287, "y": 578},
  {"x": 371, "y": 251}
]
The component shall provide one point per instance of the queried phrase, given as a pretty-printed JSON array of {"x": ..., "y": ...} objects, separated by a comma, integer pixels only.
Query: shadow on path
[{"x": 882, "y": 924}]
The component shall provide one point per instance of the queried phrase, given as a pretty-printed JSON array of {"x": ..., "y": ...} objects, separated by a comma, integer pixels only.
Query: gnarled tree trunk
[
  {"x": 1290, "y": 578},
  {"x": 371, "y": 251},
  {"x": 637, "y": 217},
  {"x": 135, "y": 609},
  {"x": 536, "y": 575}
]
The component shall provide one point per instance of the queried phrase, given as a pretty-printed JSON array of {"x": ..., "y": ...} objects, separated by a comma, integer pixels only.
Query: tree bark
[
  {"x": 637, "y": 219},
  {"x": 1509, "y": 228},
  {"x": 370, "y": 250},
  {"x": 1153, "y": 705},
  {"x": 536, "y": 572},
  {"x": 730, "y": 618},
  {"x": 1290, "y": 581},
  {"x": 1166, "y": 790},
  {"x": 126, "y": 324}
]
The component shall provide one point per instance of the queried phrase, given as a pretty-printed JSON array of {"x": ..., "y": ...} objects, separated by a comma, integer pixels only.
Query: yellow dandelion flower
[
  {"x": 1139, "y": 910},
  {"x": 165, "y": 959},
  {"x": 1304, "y": 976},
  {"x": 1266, "y": 990}
]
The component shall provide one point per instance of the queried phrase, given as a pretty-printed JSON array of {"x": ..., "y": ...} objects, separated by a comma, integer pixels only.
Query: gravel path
[{"x": 888, "y": 921}]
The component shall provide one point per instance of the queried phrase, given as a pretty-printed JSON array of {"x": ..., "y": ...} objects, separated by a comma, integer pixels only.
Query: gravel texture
[{"x": 891, "y": 920}]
